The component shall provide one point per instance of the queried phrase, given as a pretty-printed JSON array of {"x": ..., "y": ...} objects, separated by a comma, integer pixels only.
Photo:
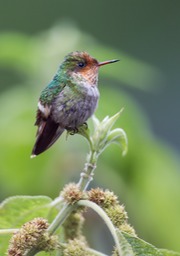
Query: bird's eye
[{"x": 81, "y": 64}]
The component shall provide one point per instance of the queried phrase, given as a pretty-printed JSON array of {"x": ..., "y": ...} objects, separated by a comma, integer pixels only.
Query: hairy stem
[
  {"x": 106, "y": 219},
  {"x": 60, "y": 218},
  {"x": 88, "y": 172},
  {"x": 85, "y": 179},
  {"x": 89, "y": 250},
  {"x": 8, "y": 231}
]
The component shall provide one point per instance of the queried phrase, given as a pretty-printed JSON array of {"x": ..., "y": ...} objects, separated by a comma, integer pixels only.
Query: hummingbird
[{"x": 68, "y": 100}]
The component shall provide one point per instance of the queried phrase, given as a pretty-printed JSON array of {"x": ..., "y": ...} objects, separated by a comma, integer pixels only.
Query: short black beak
[{"x": 107, "y": 62}]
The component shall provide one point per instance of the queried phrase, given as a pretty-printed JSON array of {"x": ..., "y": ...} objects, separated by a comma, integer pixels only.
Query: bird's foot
[
  {"x": 85, "y": 125},
  {"x": 72, "y": 131},
  {"x": 75, "y": 130}
]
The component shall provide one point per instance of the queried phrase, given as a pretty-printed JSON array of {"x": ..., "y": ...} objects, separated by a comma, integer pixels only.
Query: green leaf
[
  {"x": 125, "y": 245},
  {"x": 15, "y": 211},
  {"x": 141, "y": 248},
  {"x": 102, "y": 130},
  {"x": 169, "y": 253},
  {"x": 96, "y": 121},
  {"x": 118, "y": 136}
]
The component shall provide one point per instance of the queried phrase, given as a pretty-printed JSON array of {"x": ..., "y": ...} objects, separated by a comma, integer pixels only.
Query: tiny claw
[
  {"x": 85, "y": 125},
  {"x": 71, "y": 131}
]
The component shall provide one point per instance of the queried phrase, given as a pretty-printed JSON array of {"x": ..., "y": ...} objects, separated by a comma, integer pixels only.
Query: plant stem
[
  {"x": 88, "y": 172},
  {"x": 85, "y": 178},
  {"x": 89, "y": 250},
  {"x": 8, "y": 231},
  {"x": 106, "y": 219},
  {"x": 95, "y": 252},
  {"x": 61, "y": 217}
]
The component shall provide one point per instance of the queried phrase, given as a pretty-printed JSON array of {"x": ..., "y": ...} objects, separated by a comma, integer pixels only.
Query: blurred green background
[{"x": 34, "y": 38}]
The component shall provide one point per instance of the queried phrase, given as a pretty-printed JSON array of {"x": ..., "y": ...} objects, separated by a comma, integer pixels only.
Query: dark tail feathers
[{"x": 47, "y": 134}]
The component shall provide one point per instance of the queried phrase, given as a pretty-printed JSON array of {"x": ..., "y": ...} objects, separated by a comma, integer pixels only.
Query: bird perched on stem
[{"x": 68, "y": 100}]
